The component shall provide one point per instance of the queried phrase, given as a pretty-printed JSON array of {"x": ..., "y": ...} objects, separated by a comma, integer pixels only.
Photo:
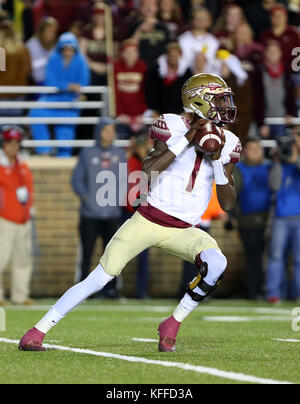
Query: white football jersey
[{"x": 184, "y": 189}]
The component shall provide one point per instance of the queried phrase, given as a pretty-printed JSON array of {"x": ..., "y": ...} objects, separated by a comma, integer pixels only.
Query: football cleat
[
  {"x": 168, "y": 331},
  {"x": 32, "y": 341}
]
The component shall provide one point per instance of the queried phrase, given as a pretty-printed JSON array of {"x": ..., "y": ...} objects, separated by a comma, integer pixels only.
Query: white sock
[
  {"x": 73, "y": 297},
  {"x": 49, "y": 321},
  {"x": 185, "y": 307}
]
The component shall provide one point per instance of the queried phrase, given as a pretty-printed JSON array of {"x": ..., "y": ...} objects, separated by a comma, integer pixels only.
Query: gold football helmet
[{"x": 208, "y": 96}]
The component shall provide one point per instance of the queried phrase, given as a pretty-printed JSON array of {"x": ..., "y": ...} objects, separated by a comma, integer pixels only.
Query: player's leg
[
  {"x": 134, "y": 236},
  {"x": 196, "y": 246},
  {"x": 107, "y": 229},
  {"x": 211, "y": 264}
]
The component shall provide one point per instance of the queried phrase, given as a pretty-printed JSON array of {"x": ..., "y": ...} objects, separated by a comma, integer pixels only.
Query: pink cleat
[
  {"x": 168, "y": 331},
  {"x": 32, "y": 341}
]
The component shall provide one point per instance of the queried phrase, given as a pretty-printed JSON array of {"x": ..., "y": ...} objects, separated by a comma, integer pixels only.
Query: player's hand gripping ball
[{"x": 209, "y": 138}]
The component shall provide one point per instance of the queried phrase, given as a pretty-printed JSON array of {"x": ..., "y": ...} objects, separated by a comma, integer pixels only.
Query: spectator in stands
[
  {"x": 41, "y": 46},
  {"x": 245, "y": 48},
  {"x": 77, "y": 28},
  {"x": 216, "y": 67},
  {"x": 121, "y": 10},
  {"x": 251, "y": 211},
  {"x": 150, "y": 33},
  {"x": 225, "y": 28},
  {"x": 273, "y": 82},
  {"x": 16, "y": 197},
  {"x": 64, "y": 11},
  {"x": 141, "y": 146},
  {"x": 4, "y": 15},
  {"x": 165, "y": 80},
  {"x": 198, "y": 39},
  {"x": 130, "y": 72},
  {"x": 250, "y": 55},
  {"x": 258, "y": 15},
  {"x": 85, "y": 11},
  {"x": 68, "y": 70},
  {"x": 27, "y": 20},
  {"x": 285, "y": 235},
  {"x": 287, "y": 35},
  {"x": 170, "y": 14},
  {"x": 18, "y": 67},
  {"x": 99, "y": 216},
  {"x": 93, "y": 45}
]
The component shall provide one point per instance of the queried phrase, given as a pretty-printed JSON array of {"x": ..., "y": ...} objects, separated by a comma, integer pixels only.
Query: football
[{"x": 209, "y": 138}]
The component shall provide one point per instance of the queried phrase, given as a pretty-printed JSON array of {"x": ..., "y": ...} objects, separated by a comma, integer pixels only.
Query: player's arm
[
  {"x": 158, "y": 159},
  {"x": 224, "y": 179},
  {"x": 161, "y": 156},
  {"x": 227, "y": 193}
]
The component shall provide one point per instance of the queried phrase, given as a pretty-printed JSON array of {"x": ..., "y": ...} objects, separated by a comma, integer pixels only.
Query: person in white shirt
[
  {"x": 198, "y": 38},
  {"x": 41, "y": 46}
]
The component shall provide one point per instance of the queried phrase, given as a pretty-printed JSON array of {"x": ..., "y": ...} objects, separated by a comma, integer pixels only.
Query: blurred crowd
[{"x": 157, "y": 46}]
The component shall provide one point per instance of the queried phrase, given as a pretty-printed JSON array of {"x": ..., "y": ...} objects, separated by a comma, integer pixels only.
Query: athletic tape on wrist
[
  {"x": 219, "y": 174},
  {"x": 178, "y": 147}
]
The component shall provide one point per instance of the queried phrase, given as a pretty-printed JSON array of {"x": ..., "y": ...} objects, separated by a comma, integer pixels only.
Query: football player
[{"x": 178, "y": 196}]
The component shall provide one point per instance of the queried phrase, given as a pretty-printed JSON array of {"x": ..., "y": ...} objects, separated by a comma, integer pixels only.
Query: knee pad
[
  {"x": 212, "y": 264},
  {"x": 217, "y": 264}
]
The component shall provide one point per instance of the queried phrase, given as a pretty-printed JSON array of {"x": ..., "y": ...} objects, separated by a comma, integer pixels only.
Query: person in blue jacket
[
  {"x": 252, "y": 212},
  {"x": 285, "y": 238},
  {"x": 68, "y": 70}
]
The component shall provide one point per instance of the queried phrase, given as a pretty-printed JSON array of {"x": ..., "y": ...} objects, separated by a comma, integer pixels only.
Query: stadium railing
[{"x": 102, "y": 106}]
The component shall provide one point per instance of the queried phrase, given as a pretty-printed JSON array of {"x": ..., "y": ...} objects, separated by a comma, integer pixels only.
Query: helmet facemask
[
  {"x": 223, "y": 109},
  {"x": 220, "y": 106}
]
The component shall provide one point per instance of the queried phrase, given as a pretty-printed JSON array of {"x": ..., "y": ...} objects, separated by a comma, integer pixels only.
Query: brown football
[{"x": 209, "y": 138}]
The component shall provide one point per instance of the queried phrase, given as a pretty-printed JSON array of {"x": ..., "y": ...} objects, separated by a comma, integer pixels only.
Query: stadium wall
[{"x": 56, "y": 242}]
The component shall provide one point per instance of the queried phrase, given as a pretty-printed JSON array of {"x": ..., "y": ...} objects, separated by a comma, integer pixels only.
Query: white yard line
[
  {"x": 144, "y": 340},
  {"x": 161, "y": 309},
  {"x": 239, "y": 377},
  {"x": 242, "y": 319},
  {"x": 286, "y": 340}
]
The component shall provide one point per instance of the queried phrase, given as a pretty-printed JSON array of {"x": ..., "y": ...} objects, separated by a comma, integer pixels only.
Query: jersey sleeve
[
  {"x": 231, "y": 152},
  {"x": 169, "y": 128}
]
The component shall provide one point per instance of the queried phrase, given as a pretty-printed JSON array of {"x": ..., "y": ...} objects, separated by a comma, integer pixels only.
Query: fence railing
[{"x": 102, "y": 106}]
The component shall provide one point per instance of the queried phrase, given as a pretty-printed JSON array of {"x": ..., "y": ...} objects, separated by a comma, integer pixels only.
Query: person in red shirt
[
  {"x": 287, "y": 35},
  {"x": 16, "y": 197},
  {"x": 129, "y": 73}
]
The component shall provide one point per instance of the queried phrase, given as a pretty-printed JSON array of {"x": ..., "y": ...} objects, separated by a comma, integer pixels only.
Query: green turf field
[{"x": 115, "y": 342}]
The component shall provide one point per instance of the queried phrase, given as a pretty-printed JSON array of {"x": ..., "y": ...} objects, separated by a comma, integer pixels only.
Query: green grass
[{"x": 105, "y": 326}]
